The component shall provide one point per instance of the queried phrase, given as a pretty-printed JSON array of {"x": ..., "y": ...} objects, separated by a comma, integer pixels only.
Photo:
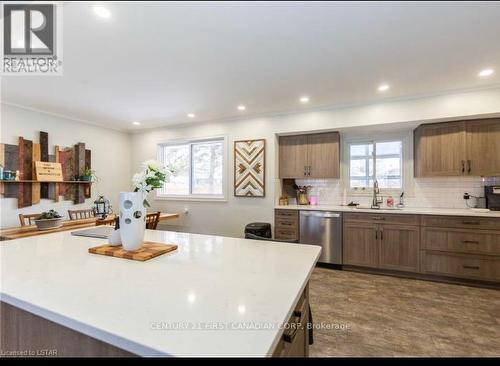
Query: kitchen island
[{"x": 213, "y": 296}]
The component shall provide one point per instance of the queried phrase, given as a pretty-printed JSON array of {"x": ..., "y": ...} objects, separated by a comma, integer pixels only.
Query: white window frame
[
  {"x": 196, "y": 197},
  {"x": 406, "y": 169}
]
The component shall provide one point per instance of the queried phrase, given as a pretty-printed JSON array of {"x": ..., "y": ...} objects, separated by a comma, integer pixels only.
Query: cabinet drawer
[
  {"x": 287, "y": 214},
  {"x": 286, "y": 223},
  {"x": 462, "y": 265},
  {"x": 460, "y": 241},
  {"x": 469, "y": 222},
  {"x": 403, "y": 219},
  {"x": 286, "y": 234}
]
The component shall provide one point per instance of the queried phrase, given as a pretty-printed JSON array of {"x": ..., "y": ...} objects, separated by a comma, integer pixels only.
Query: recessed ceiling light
[
  {"x": 486, "y": 72},
  {"x": 102, "y": 12},
  {"x": 241, "y": 107},
  {"x": 191, "y": 115},
  {"x": 136, "y": 123},
  {"x": 383, "y": 87},
  {"x": 304, "y": 99}
]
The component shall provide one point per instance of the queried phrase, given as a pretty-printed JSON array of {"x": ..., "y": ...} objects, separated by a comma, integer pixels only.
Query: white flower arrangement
[{"x": 152, "y": 176}]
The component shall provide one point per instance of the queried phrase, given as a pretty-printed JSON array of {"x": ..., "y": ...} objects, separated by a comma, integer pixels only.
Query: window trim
[
  {"x": 407, "y": 166},
  {"x": 196, "y": 197}
]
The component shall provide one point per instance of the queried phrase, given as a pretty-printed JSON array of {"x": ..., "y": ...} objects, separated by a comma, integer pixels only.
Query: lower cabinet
[
  {"x": 399, "y": 247},
  {"x": 446, "y": 246},
  {"x": 360, "y": 244},
  {"x": 295, "y": 339},
  {"x": 478, "y": 267},
  {"x": 394, "y": 247}
]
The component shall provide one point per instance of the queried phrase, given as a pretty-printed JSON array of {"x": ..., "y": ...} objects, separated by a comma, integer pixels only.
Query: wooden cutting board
[{"x": 147, "y": 251}]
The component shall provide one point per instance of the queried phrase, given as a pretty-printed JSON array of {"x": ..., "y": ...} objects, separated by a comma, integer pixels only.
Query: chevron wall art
[{"x": 249, "y": 168}]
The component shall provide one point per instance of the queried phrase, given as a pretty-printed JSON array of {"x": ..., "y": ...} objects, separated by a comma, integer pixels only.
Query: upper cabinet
[
  {"x": 483, "y": 147},
  {"x": 440, "y": 149},
  {"x": 310, "y": 156},
  {"x": 458, "y": 148}
]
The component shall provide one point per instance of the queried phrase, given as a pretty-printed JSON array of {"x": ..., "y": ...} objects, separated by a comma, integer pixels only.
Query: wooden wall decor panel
[
  {"x": 69, "y": 160},
  {"x": 57, "y": 186},
  {"x": 79, "y": 169},
  {"x": 62, "y": 160},
  {"x": 35, "y": 187},
  {"x": 11, "y": 154},
  {"x": 88, "y": 164},
  {"x": 52, "y": 186},
  {"x": 20, "y": 158},
  {"x": 250, "y": 168},
  {"x": 44, "y": 156},
  {"x": 20, "y": 161},
  {"x": 27, "y": 169}
]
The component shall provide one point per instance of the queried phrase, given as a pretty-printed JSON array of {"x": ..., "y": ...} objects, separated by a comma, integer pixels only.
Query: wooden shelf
[{"x": 38, "y": 181}]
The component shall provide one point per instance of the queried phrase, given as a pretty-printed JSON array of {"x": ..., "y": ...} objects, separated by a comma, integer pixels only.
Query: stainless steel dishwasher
[{"x": 323, "y": 228}]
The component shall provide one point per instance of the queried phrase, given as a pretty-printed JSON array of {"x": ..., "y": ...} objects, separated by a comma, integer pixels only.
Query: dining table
[{"x": 32, "y": 230}]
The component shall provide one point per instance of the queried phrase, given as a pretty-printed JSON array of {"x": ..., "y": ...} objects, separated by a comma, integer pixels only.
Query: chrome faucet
[{"x": 376, "y": 201}]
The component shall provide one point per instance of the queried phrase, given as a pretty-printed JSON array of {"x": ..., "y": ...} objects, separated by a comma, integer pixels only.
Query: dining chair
[
  {"x": 81, "y": 214},
  {"x": 29, "y": 219},
  {"x": 152, "y": 220}
]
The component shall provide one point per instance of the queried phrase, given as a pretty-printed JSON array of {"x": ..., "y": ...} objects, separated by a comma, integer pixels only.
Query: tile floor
[{"x": 374, "y": 315}]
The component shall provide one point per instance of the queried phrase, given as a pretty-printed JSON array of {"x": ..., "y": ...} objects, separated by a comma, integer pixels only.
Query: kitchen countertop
[
  {"x": 209, "y": 281},
  {"x": 406, "y": 210}
]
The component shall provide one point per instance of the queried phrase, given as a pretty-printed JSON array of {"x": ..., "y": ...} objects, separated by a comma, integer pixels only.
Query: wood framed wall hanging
[
  {"x": 39, "y": 175},
  {"x": 250, "y": 168}
]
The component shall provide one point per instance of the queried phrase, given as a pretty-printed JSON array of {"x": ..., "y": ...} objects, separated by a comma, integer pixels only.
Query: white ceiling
[{"x": 155, "y": 62}]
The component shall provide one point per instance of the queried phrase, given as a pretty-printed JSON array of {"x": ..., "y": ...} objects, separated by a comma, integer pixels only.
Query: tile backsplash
[{"x": 443, "y": 192}]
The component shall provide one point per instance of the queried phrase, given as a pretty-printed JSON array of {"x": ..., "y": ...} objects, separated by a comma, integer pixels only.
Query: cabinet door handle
[
  {"x": 376, "y": 234},
  {"x": 289, "y": 337},
  {"x": 463, "y": 166},
  {"x": 469, "y": 166},
  {"x": 470, "y": 267},
  {"x": 470, "y": 242},
  {"x": 309, "y": 170},
  {"x": 381, "y": 235},
  {"x": 378, "y": 218},
  {"x": 465, "y": 222}
]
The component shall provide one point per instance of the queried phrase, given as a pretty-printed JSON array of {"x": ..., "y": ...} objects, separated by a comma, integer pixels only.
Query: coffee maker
[{"x": 492, "y": 194}]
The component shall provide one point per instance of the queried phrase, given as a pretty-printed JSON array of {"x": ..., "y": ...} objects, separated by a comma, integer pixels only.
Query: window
[
  {"x": 383, "y": 160},
  {"x": 199, "y": 167}
]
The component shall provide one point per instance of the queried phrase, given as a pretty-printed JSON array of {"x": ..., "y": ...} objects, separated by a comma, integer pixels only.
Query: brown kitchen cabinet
[
  {"x": 439, "y": 149},
  {"x": 399, "y": 247},
  {"x": 310, "y": 156},
  {"x": 286, "y": 225},
  {"x": 483, "y": 147},
  {"x": 293, "y": 156},
  {"x": 462, "y": 148},
  {"x": 360, "y": 245},
  {"x": 392, "y": 246}
]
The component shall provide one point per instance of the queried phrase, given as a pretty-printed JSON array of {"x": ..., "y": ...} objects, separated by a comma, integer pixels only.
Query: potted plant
[
  {"x": 48, "y": 220},
  {"x": 133, "y": 204},
  {"x": 88, "y": 175}
]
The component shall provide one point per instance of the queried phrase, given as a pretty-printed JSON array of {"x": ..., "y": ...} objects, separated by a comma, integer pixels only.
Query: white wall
[
  {"x": 110, "y": 156},
  {"x": 229, "y": 218}
]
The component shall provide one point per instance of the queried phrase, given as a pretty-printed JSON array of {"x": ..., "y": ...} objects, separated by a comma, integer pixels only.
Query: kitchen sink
[{"x": 378, "y": 209}]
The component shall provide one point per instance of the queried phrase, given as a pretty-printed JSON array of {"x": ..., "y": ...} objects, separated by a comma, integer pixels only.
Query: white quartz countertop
[
  {"x": 217, "y": 292},
  {"x": 406, "y": 210}
]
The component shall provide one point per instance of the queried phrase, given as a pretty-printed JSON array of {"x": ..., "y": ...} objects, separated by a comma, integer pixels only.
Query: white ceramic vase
[{"x": 132, "y": 219}]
